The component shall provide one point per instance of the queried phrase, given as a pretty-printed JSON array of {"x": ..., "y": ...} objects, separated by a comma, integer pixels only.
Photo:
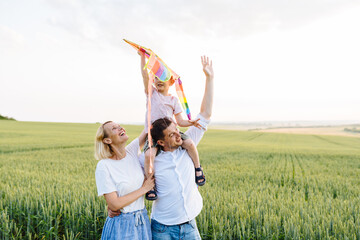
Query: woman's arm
[
  {"x": 142, "y": 139},
  {"x": 115, "y": 203}
]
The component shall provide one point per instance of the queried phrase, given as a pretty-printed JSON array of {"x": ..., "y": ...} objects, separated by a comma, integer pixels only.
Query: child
[{"x": 165, "y": 105}]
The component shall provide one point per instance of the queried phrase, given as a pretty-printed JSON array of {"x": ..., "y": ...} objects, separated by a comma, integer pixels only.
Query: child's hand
[
  {"x": 141, "y": 52},
  {"x": 195, "y": 123},
  {"x": 207, "y": 66}
]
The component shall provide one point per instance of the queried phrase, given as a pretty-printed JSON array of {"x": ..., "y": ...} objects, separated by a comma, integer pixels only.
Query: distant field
[
  {"x": 335, "y": 131},
  {"x": 318, "y": 130},
  {"x": 260, "y": 185}
]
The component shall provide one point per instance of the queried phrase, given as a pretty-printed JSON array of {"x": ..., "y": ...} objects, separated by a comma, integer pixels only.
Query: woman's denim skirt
[{"x": 132, "y": 225}]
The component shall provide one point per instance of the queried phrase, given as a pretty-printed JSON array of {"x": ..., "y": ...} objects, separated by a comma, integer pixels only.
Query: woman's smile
[{"x": 122, "y": 132}]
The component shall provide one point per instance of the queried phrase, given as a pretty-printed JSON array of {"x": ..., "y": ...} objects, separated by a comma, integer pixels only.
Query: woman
[{"x": 119, "y": 177}]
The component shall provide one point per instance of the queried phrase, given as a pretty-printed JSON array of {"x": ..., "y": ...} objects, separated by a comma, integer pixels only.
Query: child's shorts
[{"x": 155, "y": 145}]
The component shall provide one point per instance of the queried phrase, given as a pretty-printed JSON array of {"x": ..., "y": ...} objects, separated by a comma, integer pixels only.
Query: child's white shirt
[{"x": 161, "y": 106}]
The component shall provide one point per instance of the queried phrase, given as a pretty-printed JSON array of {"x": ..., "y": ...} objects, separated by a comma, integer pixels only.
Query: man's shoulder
[
  {"x": 195, "y": 133},
  {"x": 163, "y": 153}
]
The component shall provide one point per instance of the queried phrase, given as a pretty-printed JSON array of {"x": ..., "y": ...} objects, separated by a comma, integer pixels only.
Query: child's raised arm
[{"x": 144, "y": 72}]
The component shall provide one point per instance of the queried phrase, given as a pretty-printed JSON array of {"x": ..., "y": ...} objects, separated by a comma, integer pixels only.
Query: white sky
[{"x": 64, "y": 60}]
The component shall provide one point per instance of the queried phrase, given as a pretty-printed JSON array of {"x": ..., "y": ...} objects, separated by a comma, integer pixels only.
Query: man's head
[{"x": 165, "y": 134}]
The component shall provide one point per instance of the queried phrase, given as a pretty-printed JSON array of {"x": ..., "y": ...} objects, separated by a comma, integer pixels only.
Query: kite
[{"x": 157, "y": 68}]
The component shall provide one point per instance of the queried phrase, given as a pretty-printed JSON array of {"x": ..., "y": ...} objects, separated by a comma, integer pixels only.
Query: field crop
[{"x": 259, "y": 185}]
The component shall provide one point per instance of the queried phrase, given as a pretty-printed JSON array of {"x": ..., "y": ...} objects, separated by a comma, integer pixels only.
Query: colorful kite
[{"x": 157, "y": 68}]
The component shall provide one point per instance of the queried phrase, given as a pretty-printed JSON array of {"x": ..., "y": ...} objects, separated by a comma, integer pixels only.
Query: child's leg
[
  {"x": 189, "y": 145},
  {"x": 149, "y": 168},
  {"x": 149, "y": 161}
]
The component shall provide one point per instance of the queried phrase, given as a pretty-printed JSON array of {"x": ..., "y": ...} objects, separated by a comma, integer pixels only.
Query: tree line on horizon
[
  {"x": 354, "y": 130},
  {"x": 6, "y": 118}
]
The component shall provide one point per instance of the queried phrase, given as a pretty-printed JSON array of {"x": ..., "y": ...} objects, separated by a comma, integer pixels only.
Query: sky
[{"x": 65, "y": 60}]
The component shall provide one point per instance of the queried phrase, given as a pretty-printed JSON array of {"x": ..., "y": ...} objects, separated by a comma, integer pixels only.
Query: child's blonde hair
[{"x": 102, "y": 150}]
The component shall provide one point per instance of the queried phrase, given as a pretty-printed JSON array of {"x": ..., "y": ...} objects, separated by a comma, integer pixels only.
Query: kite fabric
[{"x": 161, "y": 71}]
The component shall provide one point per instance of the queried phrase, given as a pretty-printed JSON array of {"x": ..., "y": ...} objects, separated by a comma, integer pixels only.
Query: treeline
[
  {"x": 354, "y": 130},
  {"x": 6, "y": 118}
]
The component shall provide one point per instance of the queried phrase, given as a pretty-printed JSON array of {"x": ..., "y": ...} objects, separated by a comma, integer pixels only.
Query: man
[{"x": 179, "y": 201}]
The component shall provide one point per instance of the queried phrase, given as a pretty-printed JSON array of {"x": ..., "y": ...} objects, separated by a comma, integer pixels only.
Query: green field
[{"x": 259, "y": 185}]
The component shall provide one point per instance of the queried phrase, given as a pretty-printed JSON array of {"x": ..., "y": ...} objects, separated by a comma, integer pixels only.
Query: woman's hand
[
  {"x": 115, "y": 202},
  {"x": 149, "y": 183},
  {"x": 113, "y": 213}
]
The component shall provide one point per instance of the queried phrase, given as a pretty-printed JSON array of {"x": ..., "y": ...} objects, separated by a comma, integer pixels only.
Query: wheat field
[{"x": 259, "y": 185}]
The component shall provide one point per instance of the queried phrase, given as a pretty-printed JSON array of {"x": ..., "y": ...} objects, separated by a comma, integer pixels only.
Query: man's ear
[
  {"x": 107, "y": 141},
  {"x": 161, "y": 143}
]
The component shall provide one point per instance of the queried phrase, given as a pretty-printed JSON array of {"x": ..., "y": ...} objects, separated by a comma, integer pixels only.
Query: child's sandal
[
  {"x": 199, "y": 178},
  {"x": 147, "y": 195}
]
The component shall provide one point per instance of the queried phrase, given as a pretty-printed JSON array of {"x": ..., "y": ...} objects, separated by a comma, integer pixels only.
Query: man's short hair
[{"x": 158, "y": 127}]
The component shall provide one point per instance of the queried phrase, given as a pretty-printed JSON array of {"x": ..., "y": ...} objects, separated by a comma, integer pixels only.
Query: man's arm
[
  {"x": 206, "y": 106},
  {"x": 207, "y": 102}
]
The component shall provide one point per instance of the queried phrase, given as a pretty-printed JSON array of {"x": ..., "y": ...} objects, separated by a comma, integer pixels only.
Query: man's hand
[
  {"x": 207, "y": 67},
  {"x": 113, "y": 213},
  {"x": 207, "y": 102}
]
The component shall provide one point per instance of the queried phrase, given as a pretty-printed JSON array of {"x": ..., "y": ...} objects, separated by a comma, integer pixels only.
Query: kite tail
[
  {"x": 182, "y": 98},
  {"x": 151, "y": 79}
]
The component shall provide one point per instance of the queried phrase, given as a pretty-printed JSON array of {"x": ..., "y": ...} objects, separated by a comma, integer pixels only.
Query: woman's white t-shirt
[{"x": 122, "y": 176}]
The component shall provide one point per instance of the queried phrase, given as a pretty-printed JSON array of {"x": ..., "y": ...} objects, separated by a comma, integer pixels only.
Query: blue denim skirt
[{"x": 132, "y": 225}]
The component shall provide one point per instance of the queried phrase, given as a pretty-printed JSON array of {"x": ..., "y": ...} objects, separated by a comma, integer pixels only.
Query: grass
[{"x": 259, "y": 185}]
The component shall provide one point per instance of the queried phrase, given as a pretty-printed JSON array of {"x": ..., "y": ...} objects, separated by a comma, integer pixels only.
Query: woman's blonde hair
[{"x": 102, "y": 150}]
